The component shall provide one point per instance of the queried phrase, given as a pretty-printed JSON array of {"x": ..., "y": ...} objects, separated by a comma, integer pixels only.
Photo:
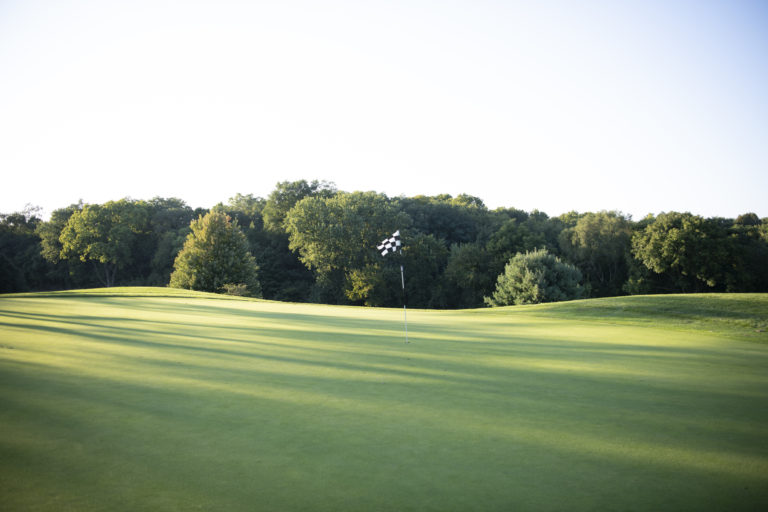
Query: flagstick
[
  {"x": 392, "y": 244},
  {"x": 405, "y": 313}
]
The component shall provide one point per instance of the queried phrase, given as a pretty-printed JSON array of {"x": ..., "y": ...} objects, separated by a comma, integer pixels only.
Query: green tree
[
  {"x": 22, "y": 267},
  {"x": 379, "y": 283},
  {"x": 66, "y": 273},
  {"x": 247, "y": 210},
  {"x": 281, "y": 275},
  {"x": 469, "y": 275},
  {"x": 105, "y": 235},
  {"x": 748, "y": 219},
  {"x": 336, "y": 236},
  {"x": 512, "y": 237},
  {"x": 156, "y": 232},
  {"x": 248, "y": 205},
  {"x": 534, "y": 277},
  {"x": 368, "y": 285},
  {"x": 49, "y": 232},
  {"x": 599, "y": 244},
  {"x": 341, "y": 232},
  {"x": 748, "y": 270},
  {"x": 286, "y": 195},
  {"x": 169, "y": 227},
  {"x": 215, "y": 256},
  {"x": 453, "y": 219},
  {"x": 692, "y": 251},
  {"x": 425, "y": 258}
]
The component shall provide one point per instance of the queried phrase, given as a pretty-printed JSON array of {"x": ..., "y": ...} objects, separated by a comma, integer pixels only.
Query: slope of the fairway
[{"x": 156, "y": 399}]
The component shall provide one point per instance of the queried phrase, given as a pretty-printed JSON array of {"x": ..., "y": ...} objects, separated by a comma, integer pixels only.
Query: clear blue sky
[{"x": 643, "y": 106}]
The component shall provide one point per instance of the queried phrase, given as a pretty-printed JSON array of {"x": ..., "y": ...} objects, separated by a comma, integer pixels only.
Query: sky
[{"x": 641, "y": 107}]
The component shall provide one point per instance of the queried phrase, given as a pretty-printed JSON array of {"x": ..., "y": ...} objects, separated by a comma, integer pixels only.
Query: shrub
[
  {"x": 534, "y": 277},
  {"x": 214, "y": 256}
]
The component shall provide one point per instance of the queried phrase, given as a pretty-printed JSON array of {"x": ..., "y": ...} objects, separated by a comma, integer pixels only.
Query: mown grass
[
  {"x": 157, "y": 399},
  {"x": 740, "y": 315}
]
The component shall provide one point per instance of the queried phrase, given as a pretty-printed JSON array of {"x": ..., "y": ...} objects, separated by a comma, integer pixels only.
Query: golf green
[{"x": 159, "y": 399}]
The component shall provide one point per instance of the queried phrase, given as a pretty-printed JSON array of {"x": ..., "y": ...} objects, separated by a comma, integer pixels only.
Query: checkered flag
[{"x": 391, "y": 244}]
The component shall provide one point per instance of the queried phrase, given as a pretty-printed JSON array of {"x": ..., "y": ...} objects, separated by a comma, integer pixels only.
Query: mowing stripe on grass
[{"x": 143, "y": 399}]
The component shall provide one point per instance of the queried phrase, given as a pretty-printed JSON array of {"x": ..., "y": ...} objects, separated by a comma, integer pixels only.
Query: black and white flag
[{"x": 391, "y": 244}]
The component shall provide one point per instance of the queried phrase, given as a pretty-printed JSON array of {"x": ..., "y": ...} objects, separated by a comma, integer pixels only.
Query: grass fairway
[{"x": 155, "y": 399}]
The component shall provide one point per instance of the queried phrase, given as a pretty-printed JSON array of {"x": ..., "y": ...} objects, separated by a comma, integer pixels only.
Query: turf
[{"x": 156, "y": 399}]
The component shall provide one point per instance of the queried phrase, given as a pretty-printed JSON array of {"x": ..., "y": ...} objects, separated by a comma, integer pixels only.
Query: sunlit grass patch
[
  {"x": 144, "y": 399},
  {"x": 743, "y": 315}
]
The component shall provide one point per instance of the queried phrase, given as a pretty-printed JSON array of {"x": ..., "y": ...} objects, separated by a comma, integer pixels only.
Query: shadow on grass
[
  {"x": 337, "y": 417},
  {"x": 508, "y": 440},
  {"x": 238, "y": 341}
]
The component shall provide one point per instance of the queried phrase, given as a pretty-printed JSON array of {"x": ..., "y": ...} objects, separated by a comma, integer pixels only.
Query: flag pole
[
  {"x": 405, "y": 313},
  {"x": 393, "y": 244}
]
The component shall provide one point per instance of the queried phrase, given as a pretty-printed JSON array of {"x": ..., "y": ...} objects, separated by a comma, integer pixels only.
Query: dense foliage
[
  {"x": 535, "y": 277},
  {"x": 314, "y": 243},
  {"x": 215, "y": 258}
]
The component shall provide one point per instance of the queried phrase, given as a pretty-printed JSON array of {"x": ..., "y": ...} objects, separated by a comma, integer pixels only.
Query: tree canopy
[
  {"x": 106, "y": 235},
  {"x": 598, "y": 243},
  {"x": 534, "y": 277},
  {"x": 315, "y": 243},
  {"x": 215, "y": 257}
]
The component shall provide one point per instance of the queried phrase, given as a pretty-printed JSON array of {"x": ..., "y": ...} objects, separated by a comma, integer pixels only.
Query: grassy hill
[{"x": 159, "y": 399}]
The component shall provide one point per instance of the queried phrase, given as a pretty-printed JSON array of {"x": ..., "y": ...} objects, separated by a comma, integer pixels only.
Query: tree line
[{"x": 309, "y": 242}]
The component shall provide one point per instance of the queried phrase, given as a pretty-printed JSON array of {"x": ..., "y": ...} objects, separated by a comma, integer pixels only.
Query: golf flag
[
  {"x": 388, "y": 245},
  {"x": 391, "y": 244}
]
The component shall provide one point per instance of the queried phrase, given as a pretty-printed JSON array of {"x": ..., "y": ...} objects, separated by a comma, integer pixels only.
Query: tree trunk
[
  {"x": 106, "y": 273},
  {"x": 111, "y": 270}
]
